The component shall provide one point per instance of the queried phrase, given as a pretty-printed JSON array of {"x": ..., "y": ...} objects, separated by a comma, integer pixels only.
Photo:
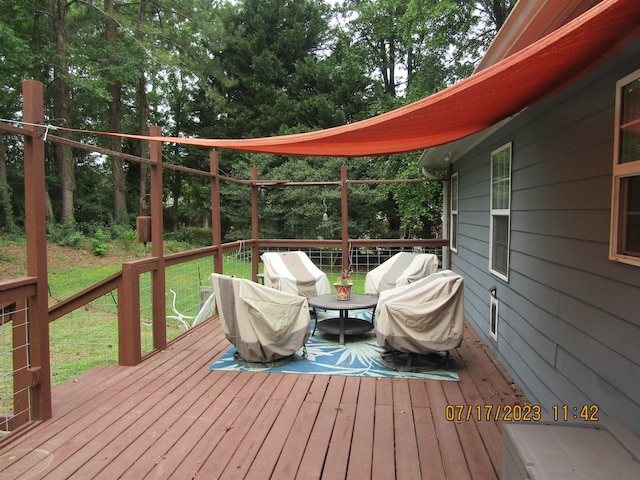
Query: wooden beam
[
  {"x": 36, "y": 230},
  {"x": 344, "y": 192},
  {"x": 255, "y": 224},
  {"x": 216, "y": 221},
  {"x": 158, "y": 276}
]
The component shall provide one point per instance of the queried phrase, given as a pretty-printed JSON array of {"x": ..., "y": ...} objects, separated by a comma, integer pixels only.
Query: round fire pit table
[{"x": 343, "y": 324}]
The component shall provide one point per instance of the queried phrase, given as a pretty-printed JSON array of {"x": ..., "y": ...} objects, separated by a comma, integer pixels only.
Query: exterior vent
[{"x": 493, "y": 313}]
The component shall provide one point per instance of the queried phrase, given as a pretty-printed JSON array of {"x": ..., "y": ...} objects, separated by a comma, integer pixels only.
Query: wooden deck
[{"x": 170, "y": 417}]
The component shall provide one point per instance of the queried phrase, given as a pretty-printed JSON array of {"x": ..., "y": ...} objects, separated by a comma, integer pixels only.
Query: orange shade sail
[{"x": 469, "y": 106}]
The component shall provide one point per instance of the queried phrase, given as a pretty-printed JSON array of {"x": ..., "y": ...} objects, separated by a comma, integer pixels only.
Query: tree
[
  {"x": 234, "y": 69},
  {"x": 142, "y": 107},
  {"x": 16, "y": 58},
  {"x": 414, "y": 48},
  {"x": 58, "y": 15},
  {"x": 142, "y": 45},
  {"x": 433, "y": 42},
  {"x": 115, "y": 117},
  {"x": 281, "y": 83}
]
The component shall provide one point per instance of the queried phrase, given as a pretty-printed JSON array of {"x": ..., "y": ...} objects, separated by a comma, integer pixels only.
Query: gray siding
[{"x": 569, "y": 318}]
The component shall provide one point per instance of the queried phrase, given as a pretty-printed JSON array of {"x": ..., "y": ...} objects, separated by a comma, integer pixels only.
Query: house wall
[{"x": 569, "y": 318}]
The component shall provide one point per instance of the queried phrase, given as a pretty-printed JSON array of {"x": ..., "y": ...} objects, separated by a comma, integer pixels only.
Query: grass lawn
[{"x": 88, "y": 337}]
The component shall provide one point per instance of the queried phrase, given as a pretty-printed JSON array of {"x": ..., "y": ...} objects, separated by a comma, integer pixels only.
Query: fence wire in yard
[
  {"x": 361, "y": 260},
  {"x": 14, "y": 399},
  {"x": 84, "y": 338},
  {"x": 187, "y": 290},
  {"x": 188, "y": 287},
  {"x": 237, "y": 263}
]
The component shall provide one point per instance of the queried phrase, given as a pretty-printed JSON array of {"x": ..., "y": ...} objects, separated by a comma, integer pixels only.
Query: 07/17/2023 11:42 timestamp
[
  {"x": 528, "y": 413},
  {"x": 563, "y": 413}
]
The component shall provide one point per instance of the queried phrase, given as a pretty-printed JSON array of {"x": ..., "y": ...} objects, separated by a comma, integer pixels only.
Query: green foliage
[
  {"x": 126, "y": 236},
  {"x": 281, "y": 83},
  {"x": 17, "y": 57},
  {"x": 419, "y": 204},
  {"x": 237, "y": 70},
  {"x": 99, "y": 243},
  {"x": 175, "y": 246},
  {"x": 196, "y": 236},
  {"x": 67, "y": 234},
  {"x": 7, "y": 223},
  {"x": 97, "y": 236}
]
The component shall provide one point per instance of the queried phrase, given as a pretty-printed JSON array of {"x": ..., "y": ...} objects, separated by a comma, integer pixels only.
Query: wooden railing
[{"x": 29, "y": 294}]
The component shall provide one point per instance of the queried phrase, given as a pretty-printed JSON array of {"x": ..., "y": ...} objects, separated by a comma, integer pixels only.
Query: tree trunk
[
  {"x": 51, "y": 216},
  {"x": 115, "y": 125},
  {"x": 143, "y": 109},
  {"x": 5, "y": 193},
  {"x": 58, "y": 10},
  {"x": 500, "y": 13}
]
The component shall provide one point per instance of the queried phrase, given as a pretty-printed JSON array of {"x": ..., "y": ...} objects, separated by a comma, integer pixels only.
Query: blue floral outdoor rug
[{"x": 359, "y": 356}]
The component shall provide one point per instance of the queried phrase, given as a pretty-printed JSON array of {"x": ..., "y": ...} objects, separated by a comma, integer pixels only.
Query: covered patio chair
[
  {"x": 263, "y": 324},
  {"x": 294, "y": 272},
  {"x": 401, "y": 269},
  {"x": 419, "y": 319}
]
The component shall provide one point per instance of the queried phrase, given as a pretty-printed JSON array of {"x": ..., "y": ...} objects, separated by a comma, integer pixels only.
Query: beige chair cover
[
  {"x": 401, "y": 269},
  {"x": 262, "y": 323},
  {"x": 294, "y": 272},
  {"x": 423, "y": 317}
]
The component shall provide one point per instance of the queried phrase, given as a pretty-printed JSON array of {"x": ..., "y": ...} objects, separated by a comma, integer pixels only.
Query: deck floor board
[{"x": 170, "y": 417}]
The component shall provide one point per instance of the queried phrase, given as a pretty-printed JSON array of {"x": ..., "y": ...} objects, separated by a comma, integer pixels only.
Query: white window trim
[
  {"x": 453, "y": 219},
  {"x": 500, "y": 213},
  {"x": 620, "y": 171}
]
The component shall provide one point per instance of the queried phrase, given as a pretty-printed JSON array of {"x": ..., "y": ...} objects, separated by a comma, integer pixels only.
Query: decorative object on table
[{"x": 343, "y": 285}]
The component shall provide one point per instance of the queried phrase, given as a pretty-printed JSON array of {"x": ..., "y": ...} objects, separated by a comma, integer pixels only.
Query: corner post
[
  {"x": 36, "y": 229},
  {"x": 255, "y": 223},
  {"x": 129, "y": 348},
  {"x": 158, "y": 277},
  {"x": 216, "y": 218}
]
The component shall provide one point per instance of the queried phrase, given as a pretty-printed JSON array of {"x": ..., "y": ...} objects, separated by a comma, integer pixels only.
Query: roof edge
[{"x": 528, "y": 22}]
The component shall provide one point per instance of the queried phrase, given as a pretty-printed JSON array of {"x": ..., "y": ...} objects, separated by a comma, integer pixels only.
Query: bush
[
  {"x": 127, "y": 236},
  {"x": 99, "y": 243},
  {"x": 198, "y": 236},
  {"x": 67, "y": 234}
]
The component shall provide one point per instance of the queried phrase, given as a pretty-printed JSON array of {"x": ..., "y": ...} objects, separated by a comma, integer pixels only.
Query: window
[
  {"x": 500, "y": 211},
  {"x": 625, "y": 204},
  {"x": 453, "y": 234}
]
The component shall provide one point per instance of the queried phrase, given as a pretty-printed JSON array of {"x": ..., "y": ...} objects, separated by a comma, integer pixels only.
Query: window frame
[
  {"x": 453, "y": 217},
  {"x": 622, "y": 171},
  {"x": 500, "y": 212}
]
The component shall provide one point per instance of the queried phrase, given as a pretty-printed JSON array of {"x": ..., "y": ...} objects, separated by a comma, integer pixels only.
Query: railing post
[
  {"x": 129, "y": 348},
  {"x": 216, "y": 222},
  {"x": 158, "y": 277},
  {"x": 255, "y": 230},
  {"x": 36, "y": 229},
  {"x": 344, "y": 194}
]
